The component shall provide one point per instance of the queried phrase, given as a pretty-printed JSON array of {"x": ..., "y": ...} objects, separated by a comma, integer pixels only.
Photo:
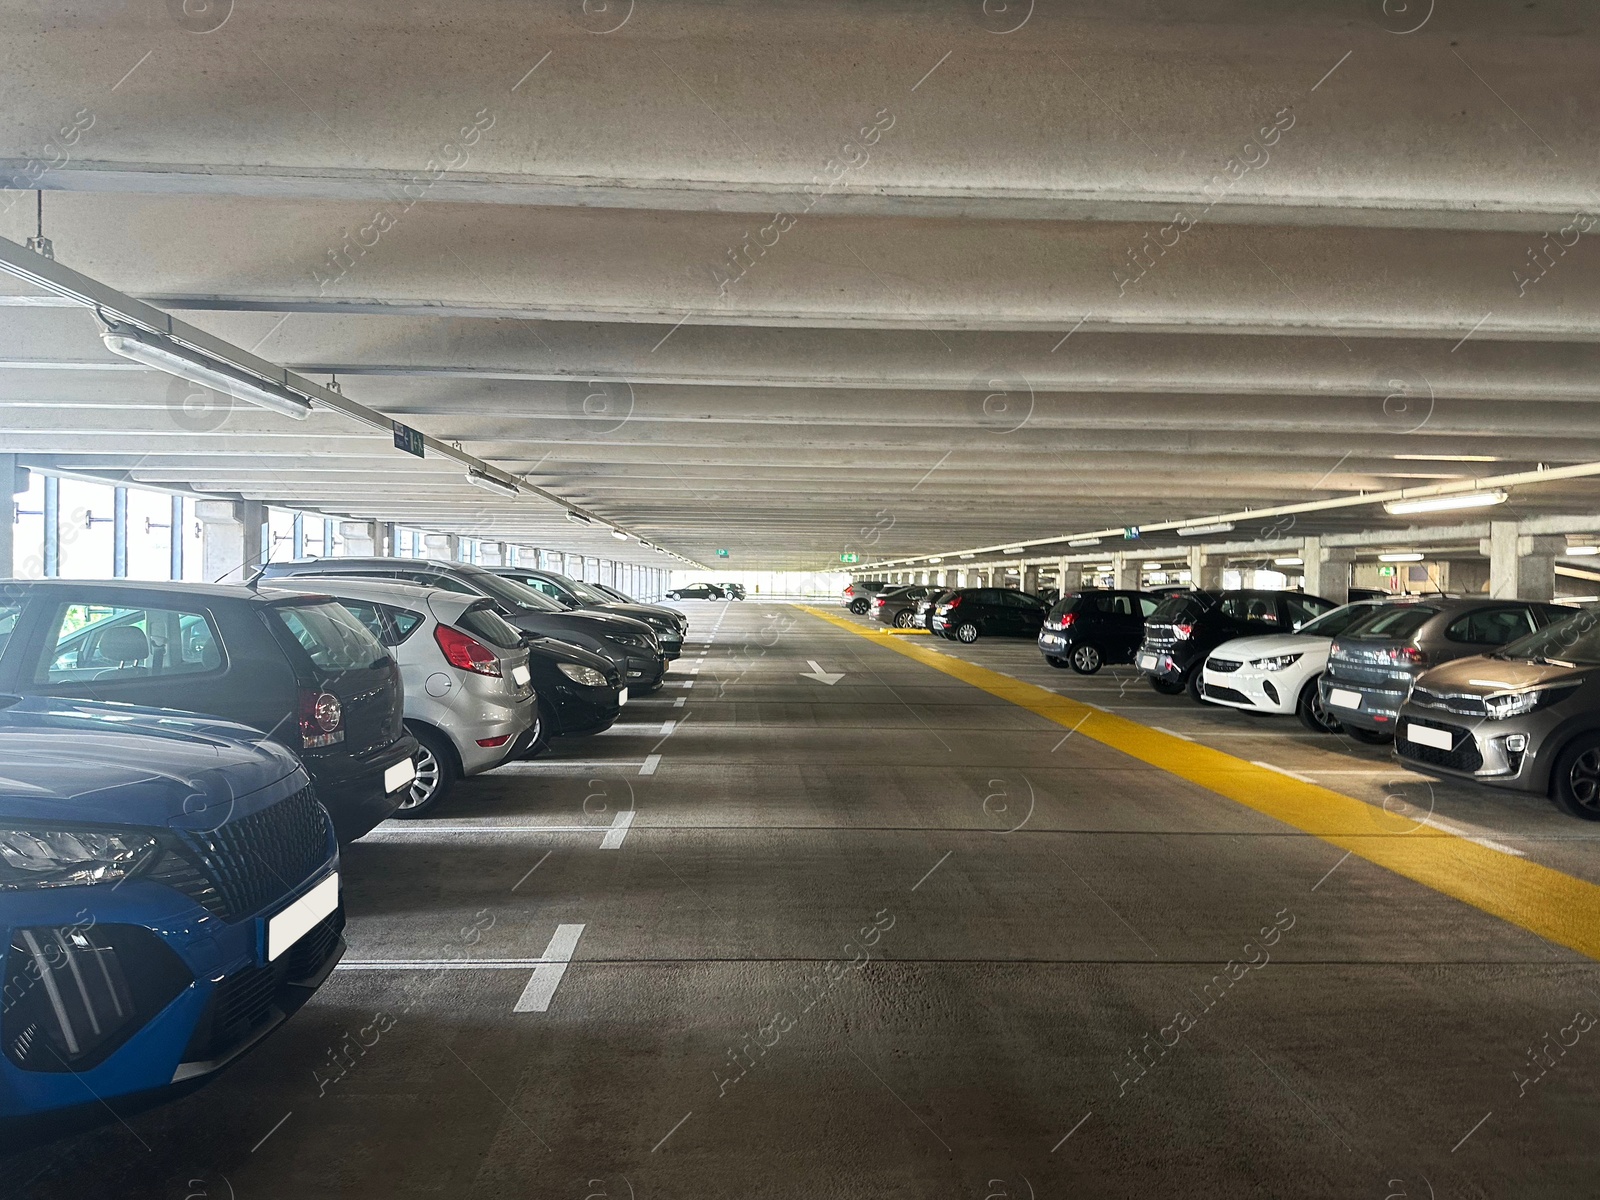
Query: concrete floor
[{"x": 894, "y": 936}]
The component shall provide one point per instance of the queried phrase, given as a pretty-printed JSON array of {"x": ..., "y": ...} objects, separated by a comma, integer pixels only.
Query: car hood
[
  {"x": 638, "y": 612},
  {"x": 125, "y": 764},
  {"x": 1482, "y": 676},
  {"x": 1251, "y": 648}
]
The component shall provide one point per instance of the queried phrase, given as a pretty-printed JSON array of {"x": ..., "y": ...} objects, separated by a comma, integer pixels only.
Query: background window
[{"x": 105, "y": 642}]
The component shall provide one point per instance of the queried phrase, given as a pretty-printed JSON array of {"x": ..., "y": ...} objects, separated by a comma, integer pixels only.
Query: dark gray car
[
  {"x": 1525, "y": 717},
  {"x": 573, "y": 594},
  {"x": 1372, "y": 665}
]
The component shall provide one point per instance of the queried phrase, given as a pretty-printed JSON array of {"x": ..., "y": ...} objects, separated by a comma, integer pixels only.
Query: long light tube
[
  {"x": 1429, "y": 504},
  {"x": 490, "y": 484},
  {"x": 152, "y": 350}
]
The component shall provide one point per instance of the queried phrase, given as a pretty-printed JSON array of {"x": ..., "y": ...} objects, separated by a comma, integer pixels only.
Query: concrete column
[
  {"x": 10, "y": 476},
  {"x": 1327, "y": 569},
  {"x": 388, "y": 540},
  {"x": 1126, "y": 569},
  {"x": 445, "y": 546},
  {"x": 360, "y": 538},
  {"x": 1205, "y": 571},
  {"x": 491, "y": 554},
  {"x": 1062, "y": 567},
  {"x": 1030, "y": 579},
  {"x": 1521, "y": 568},
  {"x": 231, "y": 544}
]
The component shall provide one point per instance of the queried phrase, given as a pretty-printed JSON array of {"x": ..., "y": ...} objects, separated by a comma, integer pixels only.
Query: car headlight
[
  {"x": 1515, "y": 704},
  {"x": 579, "y": 673},
  {"x": 1277, "y": 663},
  {"x": 641, "y": 641},
  {"x": 41, "y": 857}
]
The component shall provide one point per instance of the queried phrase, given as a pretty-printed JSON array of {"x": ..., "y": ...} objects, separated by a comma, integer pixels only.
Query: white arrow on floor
[{"x": 819, "y": 674}]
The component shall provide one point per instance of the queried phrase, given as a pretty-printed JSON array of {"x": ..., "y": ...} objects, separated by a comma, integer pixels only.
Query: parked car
[
  {"x": 735, "y": 591},
  {"x": 1094, "y": 626},
  {"x": 1526, "y": 716},
  {"x": 573, "y": 594},
  {"x": 171, "y": 896},
  {"x": 470, "y": 700},
  {"x": 1280, "y": 673},
  {"x": 299, "y": 668},
  {"x": 628, "y": 643},
  {"x": 1189, "y": 625},
  {"x": 1372, "y": 665},
  {"x": 857, "y": 596},
  {"x": 697, "y": 591},
  {"x": 898, "y": 606},
  {"x": 923, "y": 613},
  {"x": 970, "y": 613}
]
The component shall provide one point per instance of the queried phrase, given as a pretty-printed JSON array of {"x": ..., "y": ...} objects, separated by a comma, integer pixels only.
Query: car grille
[
  {"x": 242, "y": 865},
  {"x": 1458, "y": 703},
  {"x": 1227, "y": 693},
  {"x": 1462, "y": 756},
  {"x": 1222, "y": 666}
]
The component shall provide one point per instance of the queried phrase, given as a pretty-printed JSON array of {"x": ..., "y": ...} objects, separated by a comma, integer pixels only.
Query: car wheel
[
  {"x": 1196, "y": 684},
  {"x": 543, "y": 727},
  {"x": 1311, "y": 711},
  {"x": 1167, "y": 687},
  {"x": 859, "y": 607},
  {"x": 1372, "y": 737},
  {"x": 1086, "y": 659},
  {"x": 904, "y": 620},
  {"x": 967, "y": 632},
  {"x": 436, "y": 773},
  {"x": 1576, "y": 779},
  {"x": 1059, "y": 664}
]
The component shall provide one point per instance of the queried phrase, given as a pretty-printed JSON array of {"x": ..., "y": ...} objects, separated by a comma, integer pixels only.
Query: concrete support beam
[
  {"x": 361, "y": 538},
  {"x": 491, "y": 554},
  {"x": 1521, "y": 566},
  {"x": 8, "y": 513},
  {"x": 443, "y": 546},
  {"x": 1327, "y": 570},
  {"x": 1030, "y": 579},
  {"x": 1205, "y": 571},
  {"x": 231, "y": 540},
  {"x": 1126, "y": 569}
]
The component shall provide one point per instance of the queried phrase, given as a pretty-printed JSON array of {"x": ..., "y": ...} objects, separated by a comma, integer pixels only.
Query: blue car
[{"x": 169, "y": 895}]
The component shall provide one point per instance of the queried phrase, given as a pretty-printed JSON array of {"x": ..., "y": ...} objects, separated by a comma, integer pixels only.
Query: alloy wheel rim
[
  {"x": 967, "y": 633},
  {"x": 1086, "y": 657},
  {"x": 426, "y": 782},
  {"x": 1584, "y": 779}
]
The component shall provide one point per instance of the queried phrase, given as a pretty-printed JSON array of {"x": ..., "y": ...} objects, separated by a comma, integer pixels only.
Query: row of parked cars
[
  {"x": 180, "y": 764},
  {"x": 1504, "y": 692}
]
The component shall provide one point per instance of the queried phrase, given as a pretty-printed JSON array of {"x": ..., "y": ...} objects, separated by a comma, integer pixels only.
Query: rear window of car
[
  {"x": 105, "y": 643},
  {"x": 333, "y": 638},
  {"x": 1332, "y": 624},
  {"x": 483, "y": 622},
  {"x": 1178, "y": 608},
  {"x": 1491, "y": 626},
  {"x": 1393, "y": 621}
]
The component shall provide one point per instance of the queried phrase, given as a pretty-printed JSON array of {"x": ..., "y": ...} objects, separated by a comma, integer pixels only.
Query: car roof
[
  {"x": 232, "y": 591},
  {"x": 366, "y": 588}
]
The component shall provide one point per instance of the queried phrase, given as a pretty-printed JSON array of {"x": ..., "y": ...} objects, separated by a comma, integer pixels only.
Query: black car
[
  {"x": 969, "y": 613},
  {"x": 898, "y": 606},
  {"x": 669, "y": 624},
  {"x": 299, "y": 668},
  {"x": 1189, "y": 625},
  {"x": 630, "y": 644},
  {"x": 1372, "y": 665},
  {"x": 735, "y": 591},
  {"x": 697, "y": 591},
  {"x": 1095, "y": 626},
  {"x": 922, "y": 615}
]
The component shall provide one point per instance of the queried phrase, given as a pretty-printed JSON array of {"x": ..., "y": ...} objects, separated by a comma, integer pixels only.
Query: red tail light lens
[
  {"x": 321, "y": 719},
  {"x": 1405, "y": 656},
  {"x": 877, "y": 602},
  {"x": 953, "y": 602},
  {"x": 1067, "y": 619},
  {"x": 465, "y": 652},
  {"x": 849, "y": 591},
  {"x": 494, "y": 742},
  {"x": 1182, "y": 631}
]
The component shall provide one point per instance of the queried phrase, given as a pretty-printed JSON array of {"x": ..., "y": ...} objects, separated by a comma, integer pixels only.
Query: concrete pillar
[
  {"x": 231, "y": 543},
  {"x": 1205, "y": 570},
  {"x": 491, "y": 554},
  {"x": 443, "y": 546},
  {"x": 388, "y": 540},
  {"x": 1327, "y": 569},
  {"x": 360, "y": 538},
  {"x": 1030, "y": 579},
  {"x": 1126, "y": 569},
  {"x": 1521, "y": 568},
  {"x": 10, "y": 476},
  {"x": 1062, "y": 567}
]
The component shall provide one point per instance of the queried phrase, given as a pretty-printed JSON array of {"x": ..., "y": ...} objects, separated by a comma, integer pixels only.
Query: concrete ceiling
[{"x": 548, "y": 232}]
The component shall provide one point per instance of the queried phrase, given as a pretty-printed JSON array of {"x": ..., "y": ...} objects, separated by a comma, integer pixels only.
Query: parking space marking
[
  {"x": 1282, "y": 771},
  {"x": 1170, "y": 732},
  {"x": 650, "y": 765},
  {"x": 442, "y": 964},
  {"x": 619, "y": 830},
  {"x": 548, "y": 766},
  {"x": 547, "y": 975},
  {"x": 1544, "y": 901},
  {"x": 678, "y": 703}
]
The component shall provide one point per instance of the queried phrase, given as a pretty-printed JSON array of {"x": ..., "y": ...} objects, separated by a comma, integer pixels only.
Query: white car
[
  {"x": 470, "y": 701},
  {"x": 1278, "y": 673}
]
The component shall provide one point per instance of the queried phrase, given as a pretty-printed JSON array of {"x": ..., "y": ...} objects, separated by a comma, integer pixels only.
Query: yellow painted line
[
  {"x": 906, "y": 632},
  {"x": 1554, "y": 905}
]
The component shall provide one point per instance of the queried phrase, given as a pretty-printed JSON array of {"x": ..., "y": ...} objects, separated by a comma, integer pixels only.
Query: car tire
[
  {"x": 1195, "y": 685},
  {"x": 436, "y": 774},
  {"x": 1309, "y": 708},
  {"x": 1575, "y": 782},
  {"x": 859, "y": 607},
  {"x": 905, "y": 619},
  {"x": 966, "y": 633},
  {"x": 1165, "y": 686},
  {"x": 1059, "y": 664},
  {"x": 544, "y": 727},
  {"x": 1372, "y": 737},
  {"x": 1086, "y": 659}
]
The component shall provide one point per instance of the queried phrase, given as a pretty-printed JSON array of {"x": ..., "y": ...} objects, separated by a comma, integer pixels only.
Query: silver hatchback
[{"x": 469, "y": 696}]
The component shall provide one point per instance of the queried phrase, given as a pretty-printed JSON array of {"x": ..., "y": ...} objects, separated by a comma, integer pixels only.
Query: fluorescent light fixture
[
  {"x": 965, "y": 556},
  {"x": 1288, "y": 562},
  {"x": 1427, "y": 504},
  {"x": 489, "y": 483},
  {"x": 936, "y": 560},
  {"x": 1152, "y": 566},
  {"x": 1582, "y": 551},
  {"x": 1084, "y": 542},
  {"x": 1214, "y": 527},
  {"x": 619, "y": 535},
  {"x": 1410, "y": 556},
  {"x": 1449, "y": 457},
  {"x": 577, "y": 518},
  {"x": 152, "y": 350},
  {"x": 1012, "y": 550}
]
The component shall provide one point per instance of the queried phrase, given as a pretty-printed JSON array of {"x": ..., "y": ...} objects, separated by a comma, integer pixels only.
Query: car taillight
[
  {"x": 1404, "y": 656},
  {"x": 1182, "y": 631},
  {"x": 321, "y": 719},
  {"x": 494, "y": 742},
  {"x": 1067, "y": 619},
  {"x": 953, "y": 602},
  {"x": 849, "y": 591},
  {"x": 877, "y": 602},
  {"x": 465, "y": 652}
]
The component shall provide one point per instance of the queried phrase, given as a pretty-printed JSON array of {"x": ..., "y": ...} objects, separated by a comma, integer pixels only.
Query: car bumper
[
  {"x": 1160, "y": 664},
  {"x": 508, "y": 723},
  {"x": 645, "y": 674},
  {"x": 1483, "y": 751},
  {"x": 1362, "y": 707},
  {"x": 1255, "y": 691},
  {"x": 581, "y": 710},
  {"x": 199, "y": 993},
  {"x": 1055, "y": 645},
  {"x": 352, "y": 789}
]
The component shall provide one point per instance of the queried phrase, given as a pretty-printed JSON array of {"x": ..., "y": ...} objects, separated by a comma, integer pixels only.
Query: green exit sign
[
  {"x": 722, "y": 554},
  {"x": 1385, "y": 570},
  {"x": 849, "y": 558}
]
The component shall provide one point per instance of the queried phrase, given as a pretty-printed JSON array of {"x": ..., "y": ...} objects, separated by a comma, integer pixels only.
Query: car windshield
[
  {"x": 1574, "y": 640},
  {"x": 509, "y": 591},
  {"x": 1392, "y": 621},
  {"x": 1332, "y": 624},
  {"x": 584, "y": 591}
]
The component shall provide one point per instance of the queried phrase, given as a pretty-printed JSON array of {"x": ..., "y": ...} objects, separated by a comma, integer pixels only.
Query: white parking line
[
  {"x": 551, "y": 766},
  {"x": 547, "y": 975},
  {"x": 650, "y": 765},
  {"x": 1283, "y": 771},
  {"x": 678, "y": 703},
  {"x": 440, "y": 964},
  {"x": 619, "y": 830},
  {"x": 421, "y": 828},
  {"x": 1172, "y": 733}
]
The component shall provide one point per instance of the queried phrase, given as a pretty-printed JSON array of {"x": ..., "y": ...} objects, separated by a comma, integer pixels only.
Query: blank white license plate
[
  {"x": 1340, "y": 698},
  {"x": 399, "y": 775},
  {"x": 520, "y": 676},
  {"x": 1147, "y": 662},
  {"x": 294, "y": 922},
  {"x": 622, "y": 697},
  {"x": 1439, "y": 739}
]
